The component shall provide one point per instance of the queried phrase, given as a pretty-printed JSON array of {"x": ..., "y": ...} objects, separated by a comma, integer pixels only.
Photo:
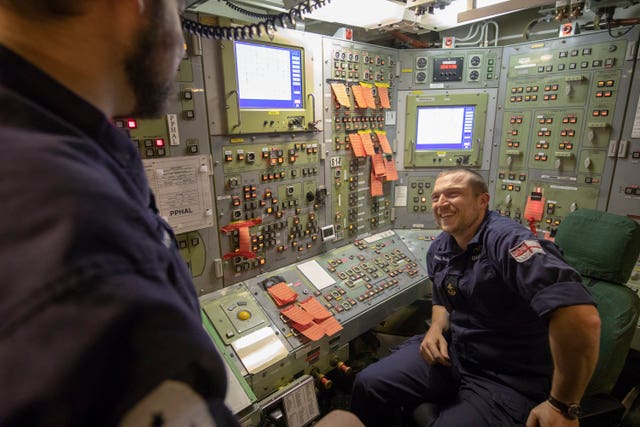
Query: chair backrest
[{"x": 604, "y": 248}]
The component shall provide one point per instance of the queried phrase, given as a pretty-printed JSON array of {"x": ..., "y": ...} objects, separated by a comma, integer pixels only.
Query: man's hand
[
  {"x": 545, "y": 415},
  {"x": 434, "y": 347}
]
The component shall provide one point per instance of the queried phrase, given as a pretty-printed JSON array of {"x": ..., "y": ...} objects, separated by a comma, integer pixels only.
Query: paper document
[{"x": 316, "y": 274}]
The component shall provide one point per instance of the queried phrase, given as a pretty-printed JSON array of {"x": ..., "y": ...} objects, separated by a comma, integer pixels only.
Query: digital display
[
  {"x": 449, "y": 65},
  {"x": 448, "y": 69},
  {"x": 445, "y": 127},
  {"x": 269, "y": 76},
  {"x": 328, "y": 232}
]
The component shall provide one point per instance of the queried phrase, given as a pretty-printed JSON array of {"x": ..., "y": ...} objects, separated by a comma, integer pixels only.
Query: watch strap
[{"x": 570, "y": 410}]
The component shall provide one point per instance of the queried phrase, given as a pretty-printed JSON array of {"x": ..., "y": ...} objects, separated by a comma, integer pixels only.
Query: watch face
[{"x": 573, "y": 411}]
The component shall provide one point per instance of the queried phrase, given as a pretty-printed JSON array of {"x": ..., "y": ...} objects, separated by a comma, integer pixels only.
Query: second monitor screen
[
  {"x": 445, "y": 128},
  {"x": 269, "y": 76}
]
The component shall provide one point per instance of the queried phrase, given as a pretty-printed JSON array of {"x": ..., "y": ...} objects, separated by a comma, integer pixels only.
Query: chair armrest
[{"x": 601, "y": 411}]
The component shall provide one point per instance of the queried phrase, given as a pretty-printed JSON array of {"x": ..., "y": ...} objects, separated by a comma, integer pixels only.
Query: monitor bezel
[{"x": 271, "y": 104}]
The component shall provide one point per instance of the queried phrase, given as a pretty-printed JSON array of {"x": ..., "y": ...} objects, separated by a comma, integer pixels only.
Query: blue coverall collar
[{"x": 452, "y": 247}]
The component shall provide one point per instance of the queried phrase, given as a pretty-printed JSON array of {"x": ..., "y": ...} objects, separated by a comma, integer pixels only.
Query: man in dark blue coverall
[
  {"x": 99, "y": 320},
  {"x": 514, "y": 335}
]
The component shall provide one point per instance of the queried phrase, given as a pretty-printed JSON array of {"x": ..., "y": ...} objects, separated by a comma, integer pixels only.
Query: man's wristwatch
[{"x": 570, "y": 411}]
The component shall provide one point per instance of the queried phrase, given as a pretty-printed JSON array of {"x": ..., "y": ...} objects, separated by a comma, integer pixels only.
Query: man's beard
[{"x": 150, "y": 91}]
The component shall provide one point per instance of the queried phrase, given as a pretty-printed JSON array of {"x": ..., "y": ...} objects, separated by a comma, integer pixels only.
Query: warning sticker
[{"x": 526, "y": 250}]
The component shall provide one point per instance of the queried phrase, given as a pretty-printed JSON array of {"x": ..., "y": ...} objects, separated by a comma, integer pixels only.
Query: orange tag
[
  {"x": 384, "y": 143},
  {"x": 340, "y": 91},
  {"x": 376, "y": 186},
  {"x": 384, "y": 97},
  {"x": 296, "y": 314},
  {"x": 356, "y": 145},
  {"x": 391, "y": 171},
  {"x": 313, "y": 331},
  {"x": 330, "y": 326},
  {"x": 314, "y": 308},
  {"x": 367, "y": 142},
  {"x": 358, "y": 93},
  {"x": 282, "y": 294},
  {"x": 379, "y": 169},
  {"x": 367, "y": 92}
]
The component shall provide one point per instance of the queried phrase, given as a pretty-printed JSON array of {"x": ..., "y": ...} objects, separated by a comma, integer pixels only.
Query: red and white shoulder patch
[{"x": 526, "y": 250}]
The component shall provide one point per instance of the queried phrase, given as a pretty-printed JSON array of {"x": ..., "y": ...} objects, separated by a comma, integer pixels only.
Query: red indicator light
[
  {"x": 159, "y": 142},
  {"x": 132, "y": 124}
]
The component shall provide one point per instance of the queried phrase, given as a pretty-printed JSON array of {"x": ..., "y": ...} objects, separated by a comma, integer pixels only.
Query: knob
[
  {"x": 341, "y": 366},
  {"x": 568, "y": 89},
  {"x": 558, "y": 163},
  {"x": 323, "y": 381},
  {"x": 588, "y": 163},
  {"x": 573, "y": 207},
  {"x": 507, "y": 200},
  {"x": 591, "y": 135},
  {"x": 310, "y": 196}
]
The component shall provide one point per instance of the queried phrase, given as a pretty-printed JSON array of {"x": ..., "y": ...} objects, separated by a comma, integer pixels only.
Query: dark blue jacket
[
  {"x": 499, "y": 292},
  {"x": 97, "y": 308}
]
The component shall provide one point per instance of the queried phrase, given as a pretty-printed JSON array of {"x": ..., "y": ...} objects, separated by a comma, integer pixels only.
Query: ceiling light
[{"x": 360, "y": 13}]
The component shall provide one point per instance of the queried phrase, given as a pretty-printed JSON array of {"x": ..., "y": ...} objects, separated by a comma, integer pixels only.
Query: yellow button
[{"x": 244, "y": 315}]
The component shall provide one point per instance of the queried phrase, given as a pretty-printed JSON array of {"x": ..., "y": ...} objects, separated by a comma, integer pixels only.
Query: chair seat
[{"x": 424, "y": 414}]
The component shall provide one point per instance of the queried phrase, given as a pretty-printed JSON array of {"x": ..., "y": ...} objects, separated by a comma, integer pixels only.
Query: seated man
[{"x": 514, "y": 334}]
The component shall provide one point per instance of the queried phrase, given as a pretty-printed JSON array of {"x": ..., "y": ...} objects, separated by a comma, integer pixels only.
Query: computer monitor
[
  {"x": 445, "y": 127},
  {"x": 269, "y": 76},
  {"x": 268, "y": 86}
]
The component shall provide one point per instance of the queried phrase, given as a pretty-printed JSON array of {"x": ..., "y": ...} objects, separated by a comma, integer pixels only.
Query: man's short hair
[
  {"x": 475, "y": 180},
  {"x": 46, "y": 7}
]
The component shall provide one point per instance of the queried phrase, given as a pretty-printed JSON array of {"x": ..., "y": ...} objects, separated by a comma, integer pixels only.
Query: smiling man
[{"x": 514, "y": 335}]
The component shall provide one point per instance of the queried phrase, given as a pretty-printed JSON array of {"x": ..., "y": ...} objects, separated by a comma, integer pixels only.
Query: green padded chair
[{"x": 604, "y": 248}]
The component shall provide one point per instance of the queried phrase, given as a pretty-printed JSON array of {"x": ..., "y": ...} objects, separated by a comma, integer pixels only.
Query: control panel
[
  {"x": 450, "y": 68},
  {"x": 356, "y": 286},
  {"x": 557, "y": 135},
  {"x": 176, "y": 156},
  {"x": 359, "y": 130},
  {"x": 270, "y": 201}
]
